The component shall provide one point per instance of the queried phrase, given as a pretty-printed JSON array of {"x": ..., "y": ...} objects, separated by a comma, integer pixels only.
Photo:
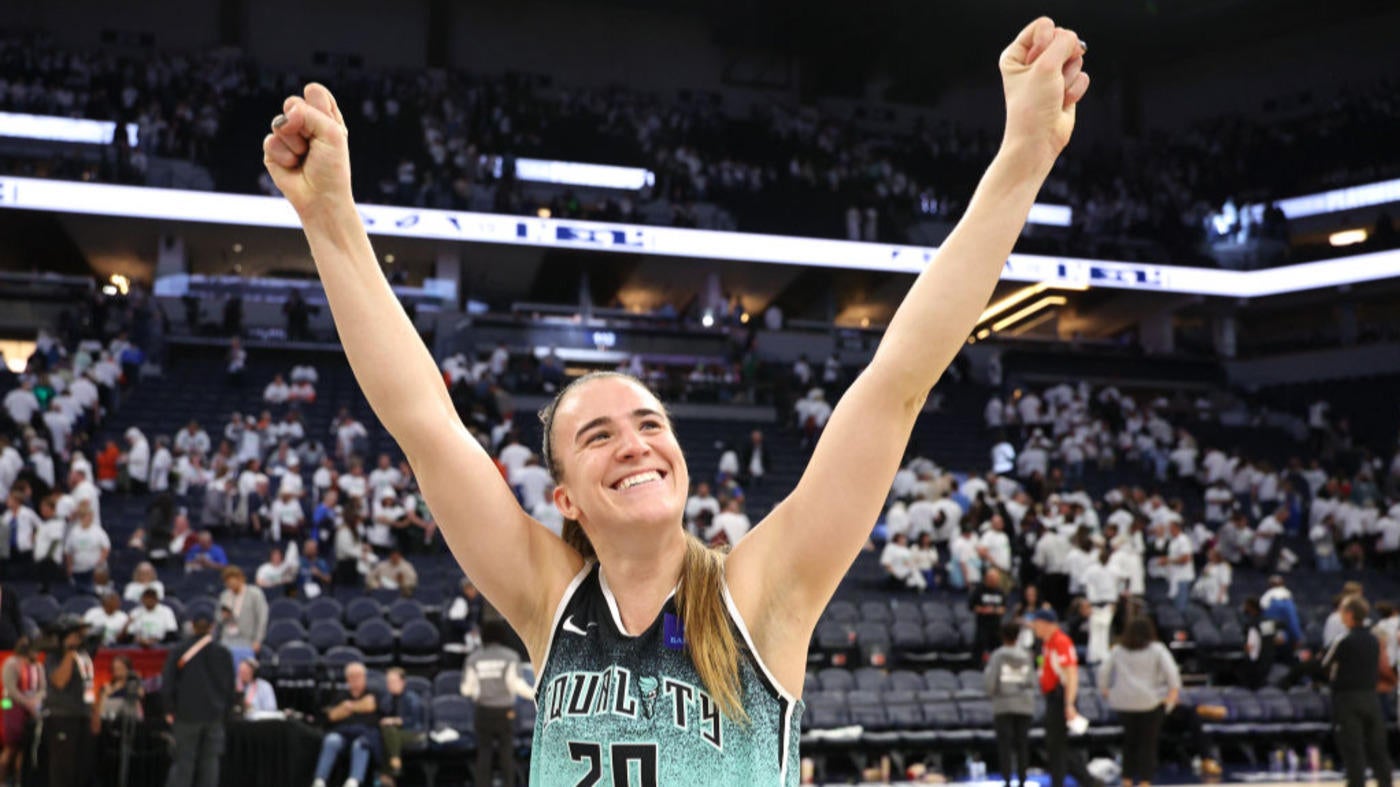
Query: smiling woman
[{"x": 653, "y": 650}]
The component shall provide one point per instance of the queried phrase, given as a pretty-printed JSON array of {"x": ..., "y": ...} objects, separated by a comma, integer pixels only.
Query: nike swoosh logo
[{"x": 573, "y": 628}]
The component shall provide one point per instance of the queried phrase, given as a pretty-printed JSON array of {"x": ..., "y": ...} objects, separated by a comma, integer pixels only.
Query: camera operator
[{"x": 68, "y": 705}]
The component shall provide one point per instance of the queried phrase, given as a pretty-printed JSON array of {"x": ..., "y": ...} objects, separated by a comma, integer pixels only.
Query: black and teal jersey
[{"x": 616, "y": 710}]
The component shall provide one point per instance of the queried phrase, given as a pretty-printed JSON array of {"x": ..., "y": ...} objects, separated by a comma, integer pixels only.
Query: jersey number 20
[{"x": 621, "y": 754}]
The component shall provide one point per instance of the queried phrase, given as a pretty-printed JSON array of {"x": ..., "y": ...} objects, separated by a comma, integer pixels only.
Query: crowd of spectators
[{"x": 450, "y": 135}]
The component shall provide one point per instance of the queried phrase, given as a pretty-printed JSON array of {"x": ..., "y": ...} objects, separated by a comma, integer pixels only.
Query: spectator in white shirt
[
  {"x": 729, "y": 526},
  {"x": 385, "y": 475},
  {"x": 1213, "y": 587},
  {"x": 964, "y": 566},
  {"x": 286, "y": 516},
  {"x": 925, "y": 556},
  {"x": 276, "y": 391},
  {"x": 1264, "y": 548},
  {"x": 534, "y": 483},
  {"x": 994, "y": 546},
  {"x": 1180, "y": 568},
  {"x": 18, "y": 525},
  {"x": 354, "y": 487},
  {"x": 276, "y": 573},
  {"x": 21, "y": 404},
  {"x": 192, "y": 440},
  {"x": 60, "y": 426},
  {"x": 143, "y": 578},
  {"x": 1126, "y": 564},
  {"x": 347, "y": 432},
  {"x": 108, "y": 621},
  {"x": 898, "y": 561},
  {"x": 152, "y": 622},
  {"x": 1388, "y": 542},
  {"x": 702, "y": 500},
  {"x": 1102, "y": 588},
  {"x": 86, "y": 548},
  {"x": 513, "y": 455}
]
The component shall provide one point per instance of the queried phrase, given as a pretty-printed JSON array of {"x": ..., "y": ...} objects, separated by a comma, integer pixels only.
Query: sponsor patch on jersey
[{"x": 673, "y": 634}]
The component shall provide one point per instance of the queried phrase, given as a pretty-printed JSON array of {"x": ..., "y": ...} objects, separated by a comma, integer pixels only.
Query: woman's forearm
[
  {"x": 390, "y": 362},
  {"x": 942, "y": 307}
]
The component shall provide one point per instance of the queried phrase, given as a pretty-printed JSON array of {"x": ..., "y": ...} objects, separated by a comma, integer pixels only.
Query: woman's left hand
[{"x": 1043, "y": 78}]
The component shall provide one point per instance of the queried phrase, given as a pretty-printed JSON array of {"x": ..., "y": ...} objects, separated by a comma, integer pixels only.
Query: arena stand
[{"x": 892, "y": 672}]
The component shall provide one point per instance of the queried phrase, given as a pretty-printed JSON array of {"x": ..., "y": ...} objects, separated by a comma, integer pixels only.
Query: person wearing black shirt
[
  {"x": 988, "y": 602},
  {"x": 197, "y": 687},
  {"x": 1352, "y": 665},
  {"x": 68, "y": 745},
  {"x": 1260, "y": 643},
  {"x": 354, "y": 717}
]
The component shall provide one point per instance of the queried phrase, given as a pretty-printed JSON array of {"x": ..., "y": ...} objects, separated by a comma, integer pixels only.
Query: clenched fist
[
  {"x": 307, "y": 154},
  {"x": 1042, "y": 74}
]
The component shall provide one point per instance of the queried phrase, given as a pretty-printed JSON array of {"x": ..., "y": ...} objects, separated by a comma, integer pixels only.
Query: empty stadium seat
[
  {"x": 284, "y": 609},
  {"x": 404, "y": 610},
  {"x": 454, "y": 712},
  {"x": 376, "y": 639},
  {"x": 420, "y": 644},
  {"x": 361, "y": 609},
  {"x": 447, "y": 682},
  {"x": 326, "y": 634},
  {"x": 282, "y": 631},
  {"x": 43, "y": 610}
]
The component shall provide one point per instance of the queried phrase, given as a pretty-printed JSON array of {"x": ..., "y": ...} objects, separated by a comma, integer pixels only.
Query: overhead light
[
  {"x": 1347, "y": 237},
  {"x": 108, "y": 289},
  {"x": 120, "y": 284},
  {"x": 708, "y": 320},
  {"x": 984, "y": 333},
  {"x": 744, "y": 318},
  {"x": 865, "y": 322},
  {"x": 389, "y": 258},
  {"x": 237, "y": 248},
  {"x": 1010, "y": 301},
  {"x": 543, "y": 213},
  {"x": 1051, "y": 300}
]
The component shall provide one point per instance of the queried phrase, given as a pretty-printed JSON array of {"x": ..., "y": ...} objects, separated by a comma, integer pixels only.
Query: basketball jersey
[{"x": 617, "y": 710}]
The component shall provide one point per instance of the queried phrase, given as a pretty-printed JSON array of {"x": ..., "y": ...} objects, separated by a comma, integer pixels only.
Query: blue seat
[
  {"x": 419, "y": 685},
  {"x": 876, "y": 612},
  {"x": 284, "y": 609},
  {"x": 869, "y": 679},
  {"x": 837, "y": 679},
  {"x": 455, "y": 712},
  {"x": 1205, "y": 635},
  {"x": 336, "y": 659},
  {"x": 282, "y": 631},
  {"x": 296, "y": 663},
  {"x": 324, "y": 608},
  {"x": 977, "y": 715},
  {"x": 79, "y": 605},
  {"x": 933, "y": 695},
  {"x": 907, "y": 720},
  {"x": 908, "y": 613},
  {"x": 810, "y": 683},
  {"x": 420, "y": 644},
  {"x": 907, "y": 636},
  {"x": 941, "y": 636},
  {"x": 867, "y": 709},
  {"x": 841, "y": 612},
  {"x": 405, "y": 610},
  {"x": 834, "y": 635},
  {"x": 937, "y": 611},
  {"x": 447, "y": 682},
  {"x": 176, "y": 606},
  {"x": 376, "y": 639},
  {"x": 202, "y": 605},
  {"x": 825, "y": 711},
  {"x": 971, "y": 680},
  {"x": 906, "y": 681},
  {"x": 43, "y": 610},
  {"x": 942, "y": 679},
  {"x": 361, "y": 609},
  {"x": 326, "y": 634}
]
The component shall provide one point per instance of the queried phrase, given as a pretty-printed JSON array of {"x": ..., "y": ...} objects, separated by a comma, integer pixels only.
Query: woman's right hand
[{"x": 307, "y": 153}]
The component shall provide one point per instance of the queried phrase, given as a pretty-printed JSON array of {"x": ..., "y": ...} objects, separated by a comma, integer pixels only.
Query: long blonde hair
[{"x": 709, "y": 638}]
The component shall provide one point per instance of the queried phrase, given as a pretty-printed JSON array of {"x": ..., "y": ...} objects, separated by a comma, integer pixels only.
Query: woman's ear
[{"x": 565, "y": 502}]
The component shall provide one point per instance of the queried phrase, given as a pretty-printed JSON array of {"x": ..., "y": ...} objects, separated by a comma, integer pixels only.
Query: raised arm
[
  {"x": 520, "y": 566},
  {"x": 798, "y": 555}
]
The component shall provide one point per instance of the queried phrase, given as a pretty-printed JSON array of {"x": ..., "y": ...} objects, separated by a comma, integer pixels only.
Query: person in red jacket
[{"x": 1059, "y": 682}]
